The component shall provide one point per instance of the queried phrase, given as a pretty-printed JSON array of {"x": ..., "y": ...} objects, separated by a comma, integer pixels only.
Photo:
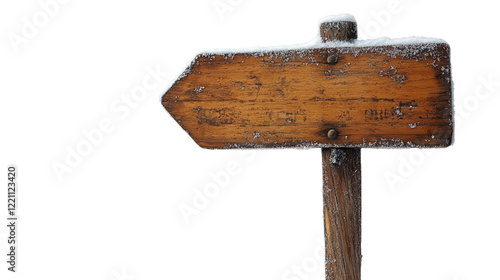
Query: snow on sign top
[
  {"x": 341, "y": 17},
  {"x": 316, "y": 43}
]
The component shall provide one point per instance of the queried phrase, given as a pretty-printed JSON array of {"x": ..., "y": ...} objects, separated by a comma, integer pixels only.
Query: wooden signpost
[{"x": 341, "y": 96}]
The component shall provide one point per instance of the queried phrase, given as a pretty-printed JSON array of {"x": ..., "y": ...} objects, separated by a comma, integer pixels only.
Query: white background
[{"x": 115, "y": 214}]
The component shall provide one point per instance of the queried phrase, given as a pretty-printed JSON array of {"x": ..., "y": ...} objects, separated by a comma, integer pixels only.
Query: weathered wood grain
[
  {"x": 342, "y": 212},
  {"x": 338, "y": 31},
  {"x": 380, "y": 96}
]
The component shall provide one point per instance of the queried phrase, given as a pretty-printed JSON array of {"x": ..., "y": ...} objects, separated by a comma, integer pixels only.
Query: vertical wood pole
[
  {"x": 342, "y": 190},
  {"x": 342, "y": 212}
]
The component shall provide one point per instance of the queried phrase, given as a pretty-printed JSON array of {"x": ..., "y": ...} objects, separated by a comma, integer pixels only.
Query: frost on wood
[
  {"x": 275, "y": 97},
  {"x": 411, "y": 46},
  {"x": 317, "y": 43},
  {"x": 338, "y": 156}
]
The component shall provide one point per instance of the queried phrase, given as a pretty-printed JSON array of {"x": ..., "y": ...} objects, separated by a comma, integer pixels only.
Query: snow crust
[
  {"x": 317, "y": 43},
  {"x": 341, "y": 17}
]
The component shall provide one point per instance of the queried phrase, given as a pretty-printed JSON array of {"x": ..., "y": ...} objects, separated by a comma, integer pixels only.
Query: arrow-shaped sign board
[
  {"x": 340, "y": 96},
  {"x": 388, "y": 95}
]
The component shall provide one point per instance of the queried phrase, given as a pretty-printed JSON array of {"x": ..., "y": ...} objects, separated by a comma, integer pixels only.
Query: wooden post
[
  {"x": 342, "y": 212},
  {"x": 341, "y": 190},
  {"x": 338, "y": 31}
]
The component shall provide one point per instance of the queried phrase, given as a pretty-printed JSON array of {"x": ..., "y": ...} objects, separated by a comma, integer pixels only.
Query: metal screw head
[
  {"x": 332, "y": 59},
  {"x": 333, "y": 134}
]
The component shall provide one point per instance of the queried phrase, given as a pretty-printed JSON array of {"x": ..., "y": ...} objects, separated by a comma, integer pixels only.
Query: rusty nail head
[
  {"x": 332, "y": 59},
  {"x": 333, "y": 134}
]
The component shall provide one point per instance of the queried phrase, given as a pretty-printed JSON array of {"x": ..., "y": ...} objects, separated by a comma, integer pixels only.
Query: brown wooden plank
[{"x": 381, "y": 96}]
